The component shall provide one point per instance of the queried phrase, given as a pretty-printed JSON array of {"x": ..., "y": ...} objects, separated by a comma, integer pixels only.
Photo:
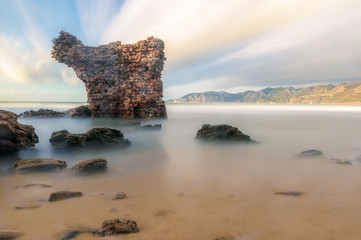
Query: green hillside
[{"x": 349, "y": 93}]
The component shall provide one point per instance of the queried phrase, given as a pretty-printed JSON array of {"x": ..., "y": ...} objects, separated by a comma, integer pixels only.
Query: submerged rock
[
  {"x": 89, "y": 166},
  {"x": 149, "y": 127},
  {"x": 109, "y": 227},
  {"x": 38, "y": 164},
  {"x": 10, "y": 235},
  {"x": 341, "y": 161},
  {"x": 222, "y": 132},
  {"x": 33, "y": 185},
  {"x": 224, "y": 238},
  {"x": 42, "y": 113},
  {"x": 96, "y": 136},
  {"x": 27, "y": 206},
  {"x": 122, "y": 80},
  {"x": 117, "y": 226},
  {"x": 62, "y": 195},
  {"x": 132, "y": 122},
  {"x": 118, "y": 195},
  {"x": 13, "y": 135},
  {"x": 312, "y": 153},
  {"x": 290, "y": 193},
  {"x": 78, "y": 112},
  {"x": 70, "y": 234}
]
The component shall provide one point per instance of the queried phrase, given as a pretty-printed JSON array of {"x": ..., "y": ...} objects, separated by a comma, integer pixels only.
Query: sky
[{"x": 210, "y": 45}]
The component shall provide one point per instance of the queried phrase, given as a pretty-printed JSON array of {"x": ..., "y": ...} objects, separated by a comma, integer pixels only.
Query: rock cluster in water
[
  {"x": 13, "y": 135},
  {"x": 41, "y": 113},
  {"x": 222, "y": 132},
  {"x": 78, "y": 112},
  {"x": 95, "y": 136},
  {"x": 150, "y": 127},
  {"x": 122, "y": 80}
]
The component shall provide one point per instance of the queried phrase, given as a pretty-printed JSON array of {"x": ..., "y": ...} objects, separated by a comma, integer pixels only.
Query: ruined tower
[{"x": 122, "y": 80}]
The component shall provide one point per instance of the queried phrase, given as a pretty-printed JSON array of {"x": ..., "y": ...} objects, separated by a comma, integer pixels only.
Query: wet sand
[
  {"x": 179, "y": 202},
  {"x": 181, "y": 189}
]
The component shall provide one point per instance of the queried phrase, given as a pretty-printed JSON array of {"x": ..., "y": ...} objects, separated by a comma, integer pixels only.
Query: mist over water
[{"x": 209, "y": 189}]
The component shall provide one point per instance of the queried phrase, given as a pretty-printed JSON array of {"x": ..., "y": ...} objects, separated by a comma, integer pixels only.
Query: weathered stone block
[{"x": 117, "y": 75}]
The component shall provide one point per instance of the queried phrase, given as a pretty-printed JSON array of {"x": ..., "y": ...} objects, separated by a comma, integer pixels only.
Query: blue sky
[{"x": 210, "y": 44}]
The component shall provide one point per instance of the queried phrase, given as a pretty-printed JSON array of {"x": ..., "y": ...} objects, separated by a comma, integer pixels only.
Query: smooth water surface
[{"x": 179, "y": 188}]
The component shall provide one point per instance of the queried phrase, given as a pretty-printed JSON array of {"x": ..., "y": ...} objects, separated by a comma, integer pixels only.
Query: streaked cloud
[
  {"x": 25, "y": 56},
  {"x": 95, "y": 16},
  {"x": 246, "y": 43},
  {"x": 210, "y": 44}
]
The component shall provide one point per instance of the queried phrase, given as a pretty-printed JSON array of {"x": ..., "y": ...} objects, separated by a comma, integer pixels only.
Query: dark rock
[
  {"x": 70, "y": 234},
  {"x": 96, "y": 136},
  {"x": 89, "y": 166},
  {"x": 13, "y": 135},
  {"x": 129, "y": 122},
  {"x": 28, "y": 206},
  {"x": 310, "y": 154},
  {"x": 290, "y": 193},
  {"x": 117, "y": 226},
  {"x": 10, "y": 235},
  {"x": 38, "y": 164},
  {"x": 222, "y": 132},
  {"x": 109, "y": 227},
  {"x": 33, "y": 185},
  {"x": 62, "y": 195},
  {"x": 41, "y": 113},
  {"x": 118, "y": 195},
  {"x": 78, "y": 112},
  {"x": 122, "y": 80},
  {"x": 150, "y": 127},
  {"x": 224, "y": 238},
  {"x": 341, "y": 161}
]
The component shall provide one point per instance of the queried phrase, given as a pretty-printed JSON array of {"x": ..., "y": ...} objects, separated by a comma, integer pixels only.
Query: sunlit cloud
[
  {"x": 26, "y": 58},
  {"x": 70, "y": 77},
  {"x": 18, "y": 63},
  {"x": 95, "y": 16},
  {"x": 209, "y": 44},
  {"x": 207, "y": 26}
]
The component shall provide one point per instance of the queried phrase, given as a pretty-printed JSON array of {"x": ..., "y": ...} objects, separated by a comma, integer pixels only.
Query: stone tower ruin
[{"x": 122, "y": 80}]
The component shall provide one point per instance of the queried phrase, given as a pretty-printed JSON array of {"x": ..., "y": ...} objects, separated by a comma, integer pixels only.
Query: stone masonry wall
[{"x": 122, "y": 80}]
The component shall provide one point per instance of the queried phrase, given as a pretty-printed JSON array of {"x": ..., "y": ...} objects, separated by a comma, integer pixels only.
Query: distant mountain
[{"x": 349, "y": 93}]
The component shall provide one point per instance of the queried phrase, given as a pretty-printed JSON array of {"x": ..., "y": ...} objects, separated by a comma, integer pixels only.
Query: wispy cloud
[
  {"x": 193, "y": 29},
  {"x": 210, "y": 44},
  {"x": 25, "y": 57},
  {"x": 21, "y": 64},
  {"x": 95, "y": 16},
  {"x": 250, "y": 43}
]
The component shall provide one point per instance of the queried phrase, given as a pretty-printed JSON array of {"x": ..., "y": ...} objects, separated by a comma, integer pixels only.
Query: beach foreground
[{"x": 180, "y": 188}]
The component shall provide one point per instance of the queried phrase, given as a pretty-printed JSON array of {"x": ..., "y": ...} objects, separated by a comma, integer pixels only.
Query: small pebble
[{"x": 118, "y": 195}]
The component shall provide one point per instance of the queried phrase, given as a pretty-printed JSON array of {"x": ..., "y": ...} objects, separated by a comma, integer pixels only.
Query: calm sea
[{"x": 213, "y": 189}]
